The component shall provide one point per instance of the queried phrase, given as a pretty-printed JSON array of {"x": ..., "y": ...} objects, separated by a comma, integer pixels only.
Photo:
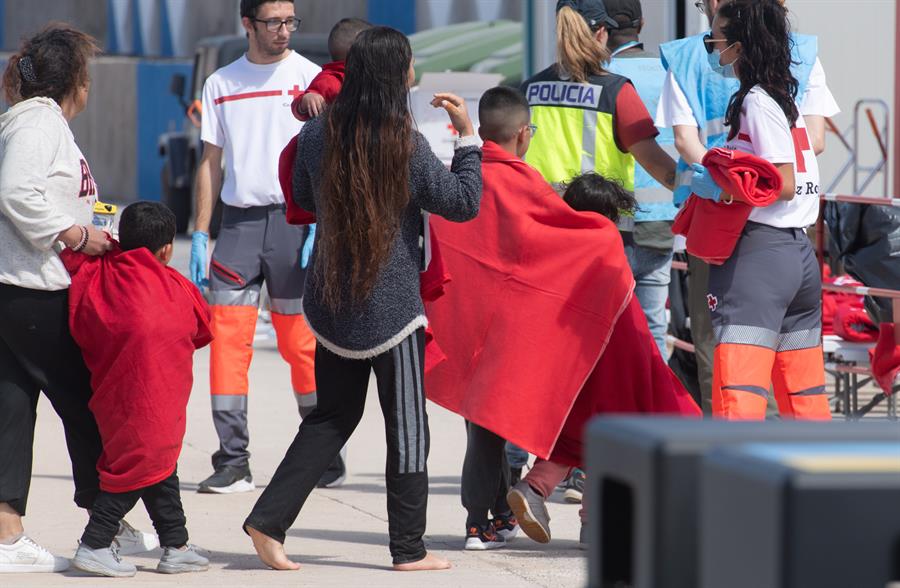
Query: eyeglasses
[
  {"x": 273, "y": 25},
  {"x": 708, "y": 42},
  {"x": 533, "y": 129},
  {"x": 701, "y": 6}
]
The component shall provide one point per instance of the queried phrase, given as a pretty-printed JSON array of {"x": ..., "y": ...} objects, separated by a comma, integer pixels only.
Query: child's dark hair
[
  {"x": 764, "y": 32},
  {"x": 51, "y": 64},
  {"x": 592, "y": 192},
  {"x": 250, "y": 8},
  {"x": 342, "y": 35},
  {"x": 501, "y": 113},
  {"x": 146, "y": 224}
]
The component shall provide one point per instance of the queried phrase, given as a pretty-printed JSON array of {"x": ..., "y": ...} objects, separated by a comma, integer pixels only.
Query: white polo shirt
[
  {"x": 765, "y": 132},
  {"x": 247, "y": 112}
]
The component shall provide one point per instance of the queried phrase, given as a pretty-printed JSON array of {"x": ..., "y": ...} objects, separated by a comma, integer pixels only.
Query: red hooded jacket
[{"x": 327, "y": 85}]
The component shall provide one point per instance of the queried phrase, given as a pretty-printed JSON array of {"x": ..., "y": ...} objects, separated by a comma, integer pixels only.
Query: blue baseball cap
[{"x": 592, "y": 11}]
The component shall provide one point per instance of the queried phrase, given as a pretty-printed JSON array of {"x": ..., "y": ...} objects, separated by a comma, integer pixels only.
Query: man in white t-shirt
[
  {"x": 247, "y": 121},
  {"x": 694, "y": 133}
]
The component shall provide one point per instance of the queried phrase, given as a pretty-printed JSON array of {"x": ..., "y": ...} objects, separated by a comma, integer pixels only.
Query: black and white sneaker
[
  {"x": 483, "y": 538},
  {"x": 574, "y": 487},
  {"x": 228, "y": 480},
  {"x": 506, "y": 526}
]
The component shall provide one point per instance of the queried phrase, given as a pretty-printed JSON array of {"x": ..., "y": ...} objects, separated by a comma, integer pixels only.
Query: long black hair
[
  {"x": 365, "y": 179},
  {"x": 764, "y": 32}
]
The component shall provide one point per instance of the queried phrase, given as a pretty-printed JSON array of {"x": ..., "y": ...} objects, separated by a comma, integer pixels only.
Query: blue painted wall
[
  {"x": 2, "y": 23},
  {"x": 157, "y": 112},
  {"x": 400, "y": 14}
]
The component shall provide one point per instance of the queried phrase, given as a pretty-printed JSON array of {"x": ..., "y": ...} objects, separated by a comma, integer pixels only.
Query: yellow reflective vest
[{"x": 576, "y": 128}]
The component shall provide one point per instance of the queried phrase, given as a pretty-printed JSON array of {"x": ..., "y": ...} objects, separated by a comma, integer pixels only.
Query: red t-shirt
[{"x": 633, "y": 122}]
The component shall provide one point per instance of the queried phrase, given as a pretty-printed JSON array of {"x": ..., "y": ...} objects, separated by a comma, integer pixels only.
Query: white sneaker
[
  {"x": 130, "y": 541},
  {"x": 25, "y": 556}
]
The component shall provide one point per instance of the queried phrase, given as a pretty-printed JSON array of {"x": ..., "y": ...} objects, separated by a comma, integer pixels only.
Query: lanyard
[{"x": 624, "y": 47}]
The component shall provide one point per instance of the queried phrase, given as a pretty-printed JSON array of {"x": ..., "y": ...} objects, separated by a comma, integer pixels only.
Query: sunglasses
[{"x": 708, "y": 42}]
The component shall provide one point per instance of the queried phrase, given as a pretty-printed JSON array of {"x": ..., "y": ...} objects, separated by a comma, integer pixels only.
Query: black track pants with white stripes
[{"x": 342, "y": 385}]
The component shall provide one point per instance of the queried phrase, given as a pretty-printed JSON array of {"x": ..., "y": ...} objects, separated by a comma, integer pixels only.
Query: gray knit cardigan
[{"x": 394, "y": 309}]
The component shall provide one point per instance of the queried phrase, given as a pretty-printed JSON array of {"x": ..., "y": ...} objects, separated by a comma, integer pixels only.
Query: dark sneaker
[
  {"x": 530, "y": 509},
  {"x": 228, "y": 480},
  {"x": 336, "y": 473},
  {"x": 583, "y": 537},
  {"x": 574, "y": 487},
  {"x": 103, "y": 562},
  {"x": 515, "y": 474},
  {"x": 506, "y": 526},
  {"x": 180, "y": 561},
  {"x": 483, "y": 538}
]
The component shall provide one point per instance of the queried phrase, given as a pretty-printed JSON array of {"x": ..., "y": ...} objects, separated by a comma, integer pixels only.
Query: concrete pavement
[{"x": 340, "y": 538}]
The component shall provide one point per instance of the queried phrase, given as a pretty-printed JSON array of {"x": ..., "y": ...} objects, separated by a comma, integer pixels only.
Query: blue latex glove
[
  {"x": 308, "y": 247},
  {"x": 199, "y": 242},
  {"x": 703, "y": 184}
]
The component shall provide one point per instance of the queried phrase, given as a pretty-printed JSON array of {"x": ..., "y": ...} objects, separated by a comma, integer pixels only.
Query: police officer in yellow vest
[{"x": 592, "y": 120}]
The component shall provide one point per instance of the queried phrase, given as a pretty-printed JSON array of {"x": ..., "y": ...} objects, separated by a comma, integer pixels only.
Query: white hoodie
[{"x": 45, "y": 187}]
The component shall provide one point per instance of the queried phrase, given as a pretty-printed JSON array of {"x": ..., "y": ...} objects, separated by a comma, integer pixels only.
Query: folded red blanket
[
  {"x": 713, "y": 228},
  {"x": 852, "y": 323},
  {"x": 885, "y": 358}
]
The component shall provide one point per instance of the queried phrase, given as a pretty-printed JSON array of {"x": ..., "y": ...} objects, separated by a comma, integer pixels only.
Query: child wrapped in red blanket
[
  {"x": 138, "y": 323},
  {"x": 540, "y": 326}
]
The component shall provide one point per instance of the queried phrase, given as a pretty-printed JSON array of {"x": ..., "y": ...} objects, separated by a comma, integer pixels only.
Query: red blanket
[
  {"x": 630, "y": 378},
  {"x": 713, "y": 228},
  {"x": 537, "y": 290},
  {"x": 885, "y": 358},
  {"x": 138, "y": 324}
]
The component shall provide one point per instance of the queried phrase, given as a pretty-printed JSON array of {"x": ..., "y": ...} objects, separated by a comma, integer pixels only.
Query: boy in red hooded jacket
[
  {"x": 138, "y": 323},
  {"x": 325, "y": 87}
]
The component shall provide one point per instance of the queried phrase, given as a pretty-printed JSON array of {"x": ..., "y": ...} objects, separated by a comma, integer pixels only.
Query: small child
[
  {"x": 325, "y": 87},
  {"x": 505, "y": 127},
  {"x": 138, "y": 323},
  {"x": 589, "y": 192},
  {"x": 594, "y": 193}
]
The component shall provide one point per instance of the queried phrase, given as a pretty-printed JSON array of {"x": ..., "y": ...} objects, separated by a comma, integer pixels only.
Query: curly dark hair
[
  {"x": 365, "y": 178},
  {"x": 51, "y": 64},
  {"x": 592, "y": 192},
  {"x": 763, "y": 29}
]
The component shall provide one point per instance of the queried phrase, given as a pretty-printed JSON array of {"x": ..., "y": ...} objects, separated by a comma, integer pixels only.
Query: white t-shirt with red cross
[
  {"x": 765, "y": 132},
  {"x": 247, "y": 112}
]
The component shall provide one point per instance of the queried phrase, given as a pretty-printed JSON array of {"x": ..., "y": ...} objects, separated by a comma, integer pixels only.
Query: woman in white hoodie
[{"x": 47, "y": 196}]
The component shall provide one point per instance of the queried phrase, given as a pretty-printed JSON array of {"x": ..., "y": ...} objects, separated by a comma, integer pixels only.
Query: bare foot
[
  {"x": 429, "y": 562},
  {"x": 271, "y": 552}
]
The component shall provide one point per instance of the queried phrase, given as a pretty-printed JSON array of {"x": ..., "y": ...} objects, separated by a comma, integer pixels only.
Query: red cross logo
[
  {"x": 452, "y": 130},
  {"x": 295, "y": 92},
  {"x": 712, "y": 302}
]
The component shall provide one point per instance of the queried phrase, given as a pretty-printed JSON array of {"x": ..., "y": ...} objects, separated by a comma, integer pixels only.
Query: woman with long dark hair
[
  {"x": 765, "y": 300},
  {"x": 368, "y": 175}
]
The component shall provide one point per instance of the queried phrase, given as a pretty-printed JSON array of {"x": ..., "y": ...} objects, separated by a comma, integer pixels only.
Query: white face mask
[{"x": 726, "y": 71}]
